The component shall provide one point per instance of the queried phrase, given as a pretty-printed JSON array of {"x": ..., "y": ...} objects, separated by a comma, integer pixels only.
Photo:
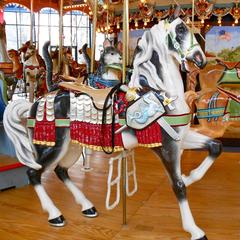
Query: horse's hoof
[
  {"x": 91, "y": 212},
  {"x": 57, "y": 222},
  {"x": 202, "y": 238}
]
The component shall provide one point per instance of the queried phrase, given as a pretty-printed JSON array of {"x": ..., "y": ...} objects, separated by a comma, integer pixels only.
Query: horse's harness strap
[
  {"x": 177, "y": 46},
  {"x": 58, "y": 122},
  {"x": 173, "y": 120},
  {"x": 31, "y": 67}
]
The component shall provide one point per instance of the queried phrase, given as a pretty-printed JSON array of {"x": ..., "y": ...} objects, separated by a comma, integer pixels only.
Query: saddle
[
  {"x": 231, "y": 93},
  {"x": 98, "y": 96},
  {"x": 70, "y": 79},
  {"x": 229, "y": 65}
]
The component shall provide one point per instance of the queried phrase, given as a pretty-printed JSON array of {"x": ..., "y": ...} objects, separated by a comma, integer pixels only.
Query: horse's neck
[
  {"x": 55, "y": 65},
  {"x": 172, "y": 78},
  {"x": 16, "y": 64},
  {"x": 32, "y": 61},
  {"x": 174, "y": 84},
  {"x": 65, "y": 71}
]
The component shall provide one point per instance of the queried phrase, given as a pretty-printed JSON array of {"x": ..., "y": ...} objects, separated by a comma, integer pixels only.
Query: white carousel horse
[
  {"x": 155, "y": 68},
  {"x": 31, "y": 69}
]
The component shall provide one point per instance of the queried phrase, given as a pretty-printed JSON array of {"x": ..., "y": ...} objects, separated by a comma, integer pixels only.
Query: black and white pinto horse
[{"x": 163, "y": 48}]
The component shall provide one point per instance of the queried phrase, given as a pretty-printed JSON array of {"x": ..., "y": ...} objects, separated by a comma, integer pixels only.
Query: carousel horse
[
  {"x": 17, "y": 71},
  {"x": 108, "y": 72},
  {"x": 217, "y": 103},
  {"x": 3, "y": 44},
  {"x": 31, "y": 70},
  {"x": 76, "y": 117},
  {"x": 51, "y": 62}
]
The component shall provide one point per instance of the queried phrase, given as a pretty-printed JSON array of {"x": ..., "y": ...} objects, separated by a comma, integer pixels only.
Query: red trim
[
  {"x": 31, "y": 67},
  {"x": 10, "y": 167}
]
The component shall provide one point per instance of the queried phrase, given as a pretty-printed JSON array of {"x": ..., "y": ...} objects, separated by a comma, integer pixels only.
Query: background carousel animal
[
  {"x": 34, "y": 70},
  {"x": 217, "y": 102},
  {"x": 73, "y": 120},
  {"x": 108, "y": 72}
]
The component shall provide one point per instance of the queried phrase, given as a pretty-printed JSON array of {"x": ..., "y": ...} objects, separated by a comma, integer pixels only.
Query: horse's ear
[
  {"x": 175, "y": 14},
  {"x": 107, "y": 43},
  {"x": 120, "y": 46}
]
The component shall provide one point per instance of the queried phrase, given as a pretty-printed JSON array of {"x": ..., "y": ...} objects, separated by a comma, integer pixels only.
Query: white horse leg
[
  {"x": 55, "y": 218},
  {"x": 194, "y": 140},
  {"x": 61, "y": 170},
  {"x": 170, "y": 155}
]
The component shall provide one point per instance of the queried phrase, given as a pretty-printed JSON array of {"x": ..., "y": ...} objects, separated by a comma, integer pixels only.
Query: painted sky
[{"x": 219, "y": 38}]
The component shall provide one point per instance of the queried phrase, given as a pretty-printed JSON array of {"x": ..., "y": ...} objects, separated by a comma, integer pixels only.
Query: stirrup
[{"x": 116, "y": 181}]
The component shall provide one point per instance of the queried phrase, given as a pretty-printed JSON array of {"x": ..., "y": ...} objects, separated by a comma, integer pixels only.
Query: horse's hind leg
[
  {"x": 194, "y": 140},
  {"x": 170, "y": 156},
  {"x": 55, "y": 217},
  {"x": 73, "y": 154}
]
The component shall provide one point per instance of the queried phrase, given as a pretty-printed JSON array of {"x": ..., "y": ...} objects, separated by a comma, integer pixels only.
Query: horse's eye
[{"x": 181, "y": 29}]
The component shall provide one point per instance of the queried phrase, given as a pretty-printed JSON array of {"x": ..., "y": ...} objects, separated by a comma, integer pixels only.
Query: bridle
[{"x": 183, "y": 54}]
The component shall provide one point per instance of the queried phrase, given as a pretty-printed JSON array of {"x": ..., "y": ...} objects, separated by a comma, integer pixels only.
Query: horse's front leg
[
  {"x": 170, "y": 155},
  {"x": 73, "y": 154},
  {"x": 55, "y": 217},
  {"x": 194, "y": 140}
]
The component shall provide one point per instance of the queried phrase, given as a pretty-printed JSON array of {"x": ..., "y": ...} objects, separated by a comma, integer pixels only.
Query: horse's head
[
  {"x": 67, "y": 56},
  {"x": 13, "y": 54},
  {"x": 182, "y": 43},
  {"x": 31, "y": 51}
]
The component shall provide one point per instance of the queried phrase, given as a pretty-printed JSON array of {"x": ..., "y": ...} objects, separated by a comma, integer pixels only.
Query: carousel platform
[{"x": 12, "y": 173}]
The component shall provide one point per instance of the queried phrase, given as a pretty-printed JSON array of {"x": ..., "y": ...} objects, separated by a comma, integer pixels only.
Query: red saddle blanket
[{"x": 96, "y": 136}]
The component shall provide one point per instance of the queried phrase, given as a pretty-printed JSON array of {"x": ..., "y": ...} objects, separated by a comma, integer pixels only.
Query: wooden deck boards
[{"x": 153, "y": 213}]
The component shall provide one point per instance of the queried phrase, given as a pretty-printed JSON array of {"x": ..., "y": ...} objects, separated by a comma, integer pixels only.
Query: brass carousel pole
[
  {"x": 31, "y": 22},
  {"x": 38, "y": 30},
  {"x": 60, "y": 53},
  {"x": 94, "y": 30},
  {"x": 193, "y": 12},
  {"x": 125, "y": 63}
]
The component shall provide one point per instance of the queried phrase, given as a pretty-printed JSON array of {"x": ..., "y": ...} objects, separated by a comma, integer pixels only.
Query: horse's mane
[{"x": 142, "y": 64}]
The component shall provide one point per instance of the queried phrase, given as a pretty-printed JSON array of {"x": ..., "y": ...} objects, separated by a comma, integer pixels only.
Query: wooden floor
[{"x": 153, "y": 212}]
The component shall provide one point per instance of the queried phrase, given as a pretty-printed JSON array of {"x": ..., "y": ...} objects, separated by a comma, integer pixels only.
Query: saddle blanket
[{"x": 86, "y": 127}]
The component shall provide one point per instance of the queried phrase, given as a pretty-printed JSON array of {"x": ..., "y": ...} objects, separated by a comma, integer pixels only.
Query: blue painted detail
[
  {"x": 147, "y": 111},
  {"x": 212, "y": 105},
  {"x": 2, "y": 100},
  {"x": 94, "y": 81}
]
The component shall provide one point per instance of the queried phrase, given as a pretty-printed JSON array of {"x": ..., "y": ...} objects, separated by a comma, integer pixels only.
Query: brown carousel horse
[
  {"x": 34, "y": 70},
  {"x": 69, "y": 69},
  {"x": 217, "y": 103}
]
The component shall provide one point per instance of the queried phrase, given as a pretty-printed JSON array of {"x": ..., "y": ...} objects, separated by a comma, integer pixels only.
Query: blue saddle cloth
[{"x": 98, "y": 82}]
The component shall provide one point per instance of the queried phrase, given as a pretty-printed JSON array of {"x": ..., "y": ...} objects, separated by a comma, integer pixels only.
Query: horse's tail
[
  {"x": 49, "y": 66},
  {"x": 86, "y": 57},
  {"x": 191, "y": 97},
  {"x": 14, "y": 113}
]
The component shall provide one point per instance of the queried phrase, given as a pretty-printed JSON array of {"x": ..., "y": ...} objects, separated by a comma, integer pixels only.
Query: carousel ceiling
[{"x": 143, "y": 13}]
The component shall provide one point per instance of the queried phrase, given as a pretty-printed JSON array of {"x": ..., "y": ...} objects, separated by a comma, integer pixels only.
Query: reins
[
  {"x": 177, "y": 46},
  {"x": 104, "y": 115}
]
